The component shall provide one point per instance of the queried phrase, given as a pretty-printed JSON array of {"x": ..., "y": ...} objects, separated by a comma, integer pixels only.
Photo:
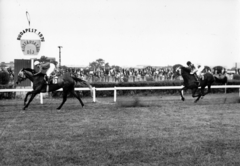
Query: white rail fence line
[{"x": 119, "y": 88}]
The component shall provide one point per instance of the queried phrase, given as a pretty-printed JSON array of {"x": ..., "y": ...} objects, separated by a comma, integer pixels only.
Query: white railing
[{"x": 119, "y": 88}]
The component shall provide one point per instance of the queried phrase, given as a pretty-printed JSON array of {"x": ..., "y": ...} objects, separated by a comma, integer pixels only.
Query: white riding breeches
[
  {"x": 50, "y": 70},
  {"x": 200, "y": 69}
]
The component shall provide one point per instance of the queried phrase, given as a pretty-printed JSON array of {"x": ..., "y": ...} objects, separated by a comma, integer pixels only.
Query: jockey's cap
[
  {"x": 189, "y": 63},
  {"x": 36, "y": 63}
]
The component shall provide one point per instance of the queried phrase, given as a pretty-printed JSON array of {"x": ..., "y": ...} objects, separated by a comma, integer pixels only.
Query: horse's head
[
  {"x": 24, "y": 73},
  {"x": 21, "y": 76},
  {"x": 178, "y": 71}
]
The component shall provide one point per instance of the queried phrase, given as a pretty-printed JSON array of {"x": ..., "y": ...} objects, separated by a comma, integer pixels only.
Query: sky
[{"x": 125, "y": 32}]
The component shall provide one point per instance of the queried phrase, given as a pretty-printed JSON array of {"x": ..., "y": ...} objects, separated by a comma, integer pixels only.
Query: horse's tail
[
  {"x": 85, "y": 82},
  {"x": 221, "y": 80}
]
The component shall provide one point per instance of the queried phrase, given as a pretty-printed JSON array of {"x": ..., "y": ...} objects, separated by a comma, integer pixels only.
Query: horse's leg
[
  {"x": 25, "y": 99},
  {"x": 181, "y": 94},
  {"x": 34, "y": 93},
  {"x": 65, "y": 93},
  {"x": 198, "y": 95},
  {"x": 77, "y": 96},
  {"x": 203, "y": 91},
  {"x": 209, "y": 89}
]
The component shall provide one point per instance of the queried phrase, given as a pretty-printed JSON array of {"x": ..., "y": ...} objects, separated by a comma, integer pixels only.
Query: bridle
[
  {"x": 22, "y": 76},
  {"x": 178, "y": 69}
]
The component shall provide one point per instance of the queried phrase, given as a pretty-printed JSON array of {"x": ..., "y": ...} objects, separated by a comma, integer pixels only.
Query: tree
[
  {"x": 44, "y": 59},
  {"x": 98, "y": 64},
  {"x": 93, "y": 65},
  {"x": 117, "y": 68}
]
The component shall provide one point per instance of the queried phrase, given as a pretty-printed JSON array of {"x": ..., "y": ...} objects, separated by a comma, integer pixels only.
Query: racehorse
[
  {"x": 190, "y": 82},
  {"x": 39, "y": 85}
]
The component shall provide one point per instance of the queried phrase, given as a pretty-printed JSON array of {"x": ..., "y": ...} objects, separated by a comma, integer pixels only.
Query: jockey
[
  {"x": 193, "y": 69},
  {"x": 199, "y": 71},
  {"x": 45, "y": 68}
]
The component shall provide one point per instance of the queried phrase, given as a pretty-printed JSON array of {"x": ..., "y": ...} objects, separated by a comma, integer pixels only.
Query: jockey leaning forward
[
  {"x": 195, "y": 71},
  {"x": 45, "y": 68}
]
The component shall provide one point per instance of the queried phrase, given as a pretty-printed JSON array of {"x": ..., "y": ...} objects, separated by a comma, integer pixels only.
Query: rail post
[
  {"x": 94, "y": 94},
  {"x": 32, "y": 67},
  {"x": 115, "y": 94},
  {"x": 41, "y": 98},
  {"x": 225, "y": 88}
]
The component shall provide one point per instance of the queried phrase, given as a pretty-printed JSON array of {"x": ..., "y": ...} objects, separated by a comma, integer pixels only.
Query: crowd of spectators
[
  {"x": 131, "y": 74},
  {"x": 10, "y": 73},
  {"x": 113, "y": 74},
  {"x": 123, "y": 74}
]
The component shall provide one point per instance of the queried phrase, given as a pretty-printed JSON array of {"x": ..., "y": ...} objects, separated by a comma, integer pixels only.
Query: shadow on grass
[{"x": 133, "y": 103}]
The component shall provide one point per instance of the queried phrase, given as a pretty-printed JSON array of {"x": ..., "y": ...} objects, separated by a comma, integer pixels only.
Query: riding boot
[
  {"x": 46, "y": 79},
  {"x": 197, "y": 78}
]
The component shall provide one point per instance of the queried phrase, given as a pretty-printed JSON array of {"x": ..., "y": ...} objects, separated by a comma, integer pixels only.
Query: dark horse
[
  {"x": 190, "y": 82},
  {"x": 67, "y": 83}
]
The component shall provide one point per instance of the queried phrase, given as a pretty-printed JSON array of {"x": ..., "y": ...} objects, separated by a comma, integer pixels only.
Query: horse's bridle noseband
[
  {"x": 22, "y": 77},
  {"x": 178, "y": 69}
]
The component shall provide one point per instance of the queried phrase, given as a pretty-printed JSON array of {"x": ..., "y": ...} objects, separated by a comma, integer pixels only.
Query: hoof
[
  {"x": 195, "y": 101},
  {"x": 183, "y": 99},
  {"x": 58, "y": 108}
]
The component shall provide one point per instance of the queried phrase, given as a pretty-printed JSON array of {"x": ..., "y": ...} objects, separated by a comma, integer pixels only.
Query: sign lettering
[
  {"x": 31, "y": 30},
  {"x": 30, "y": 47}
]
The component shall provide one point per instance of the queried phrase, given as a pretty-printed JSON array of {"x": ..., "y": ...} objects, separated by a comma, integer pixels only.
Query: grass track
[{"x": 152, "y": 131}]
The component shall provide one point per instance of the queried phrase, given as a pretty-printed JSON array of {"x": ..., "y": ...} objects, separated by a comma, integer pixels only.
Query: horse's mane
[
  {"x": 186, "y": 69},
  {"x": 30, "y": 70}
]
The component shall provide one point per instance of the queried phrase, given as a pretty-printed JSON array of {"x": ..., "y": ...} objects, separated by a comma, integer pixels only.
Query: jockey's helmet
[
  {"x": 36, "y": 63},
  {"x": 189, "y": 63}
]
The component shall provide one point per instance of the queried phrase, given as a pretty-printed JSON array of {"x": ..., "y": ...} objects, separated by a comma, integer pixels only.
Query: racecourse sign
[{"x": 30, "y": 46}]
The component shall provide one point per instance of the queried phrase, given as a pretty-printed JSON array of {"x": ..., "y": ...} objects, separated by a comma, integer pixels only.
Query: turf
[{"x": 135, "y": 131}]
